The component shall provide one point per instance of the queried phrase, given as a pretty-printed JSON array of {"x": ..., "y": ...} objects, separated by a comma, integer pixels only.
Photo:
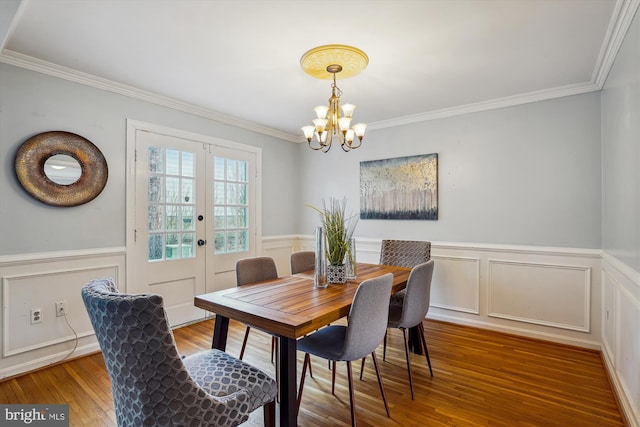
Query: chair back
[
  {"x": 251, "y": 270},
  {"x": 416, "y": 301},
  {"x": 303, "y": 261},
  {"x": 149, "y": 381},
  {"x": 368, "y": 316},
  {"x": 404, "y": 253}
]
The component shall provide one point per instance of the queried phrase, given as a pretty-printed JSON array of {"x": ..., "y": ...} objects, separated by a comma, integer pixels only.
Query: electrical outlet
[
  {"x": 36, "y": 316},
  {"x": 61, "y": 308}
]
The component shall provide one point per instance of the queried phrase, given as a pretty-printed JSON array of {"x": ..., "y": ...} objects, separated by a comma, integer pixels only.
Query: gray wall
[
  {"x": 524, "y": 175},
  {"x": 621, "y": 152},
  {"x": 31, "y": 103}
]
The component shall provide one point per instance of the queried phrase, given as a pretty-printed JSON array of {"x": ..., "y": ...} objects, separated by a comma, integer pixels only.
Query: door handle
[{"x": 202, "y": 242}]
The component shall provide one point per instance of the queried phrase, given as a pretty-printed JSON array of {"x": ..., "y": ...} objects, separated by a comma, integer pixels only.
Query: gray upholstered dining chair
[
  {"x": 365, "y": 330},
  {"x": 404, "y": 253},
  {"x": 302, "y": 261},
  {"x": 152, "y": 384},
  {"x": 251, "y": 270},
  {"x": 412, "y": 312}
]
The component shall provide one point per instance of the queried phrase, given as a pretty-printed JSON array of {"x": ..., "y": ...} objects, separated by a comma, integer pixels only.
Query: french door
[{"x": 195, "y": 216}]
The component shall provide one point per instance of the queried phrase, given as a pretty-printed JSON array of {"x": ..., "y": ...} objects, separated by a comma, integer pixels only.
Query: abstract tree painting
[{"x": 399, "y": 188}]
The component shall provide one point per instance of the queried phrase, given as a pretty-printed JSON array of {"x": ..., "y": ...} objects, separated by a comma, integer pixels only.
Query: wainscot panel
[
  {"x": 621, "y": 333},
  {"x": 36, "y": 282}
]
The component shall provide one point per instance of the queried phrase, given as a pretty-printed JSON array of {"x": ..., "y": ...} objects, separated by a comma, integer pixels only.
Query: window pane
[
  {"x": 219, "y": 168},
  {"x": 155, "y": 246},
  {"x": 218, "y": 193},
  {"x": 188, "y": 168},
  {"x": 172, "y": 247},
  {"x": 231, "y": 218},
  {"x": 218, "y": 218},
  {"x": 188, "y": 190},
  {"x": 173, "y": 190},
  {"x": 232, "y": 173},
  {"x": 218, "y": 242},
  {"x": 187, "y": 245},
  {"x": 242, "y": 171},
  {"x": 173, "y": 159},
  {"x": 156, "y": 160},
  {"x": 232, "y": 194},
  {"x": 156, "y": 189},
  {"x": 155, "y": 218},
  {"x": 188, "y": 220},
  {"x": 241, "y": 217},
  {"x": 171, "y": 218},
  {"x": 243, "y": 241},
  {"x": 232, "y": 241},
  {"x": 242, "y": 194}
]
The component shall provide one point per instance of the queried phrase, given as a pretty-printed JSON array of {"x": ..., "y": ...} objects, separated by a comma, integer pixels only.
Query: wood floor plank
[{"x": 481, "y": 378}]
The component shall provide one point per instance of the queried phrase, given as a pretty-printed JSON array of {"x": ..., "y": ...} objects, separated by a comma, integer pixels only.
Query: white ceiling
[{"x": 239, "y": 60}]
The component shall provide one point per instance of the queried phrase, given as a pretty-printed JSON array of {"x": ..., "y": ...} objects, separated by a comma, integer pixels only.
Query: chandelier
[{"x": 324, "y": 62}]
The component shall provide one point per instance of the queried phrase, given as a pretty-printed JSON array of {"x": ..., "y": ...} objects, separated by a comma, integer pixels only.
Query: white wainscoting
[
  {"x": 620, "y": 313},
  {"x": 39, "y": 281},
  {"x": 527, "y": 299},
  {"x": 572, "y": 296}
]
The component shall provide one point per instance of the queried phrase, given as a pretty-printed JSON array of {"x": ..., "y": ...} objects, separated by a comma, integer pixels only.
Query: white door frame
[{"x": 130, "y": 187}]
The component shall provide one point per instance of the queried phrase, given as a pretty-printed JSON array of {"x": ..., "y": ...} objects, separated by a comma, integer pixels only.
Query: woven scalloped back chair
[
  {"x": 151, "y": 384},
  {"x": 404, "y": 253}
]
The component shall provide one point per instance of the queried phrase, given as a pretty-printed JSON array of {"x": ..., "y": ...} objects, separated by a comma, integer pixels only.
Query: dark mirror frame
[{"x": 32, "y": 155}]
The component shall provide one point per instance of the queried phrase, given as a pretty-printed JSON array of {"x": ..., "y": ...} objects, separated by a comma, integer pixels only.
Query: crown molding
[
  {"x": 492, "y": 104},
  {"x": 30, "y": 63},
  {"x": 622, "y": 17},
  {"x": 623, "y": 14}
]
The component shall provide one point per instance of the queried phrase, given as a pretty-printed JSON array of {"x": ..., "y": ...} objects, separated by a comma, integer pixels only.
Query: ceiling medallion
[{"x": 324, "y": 62}]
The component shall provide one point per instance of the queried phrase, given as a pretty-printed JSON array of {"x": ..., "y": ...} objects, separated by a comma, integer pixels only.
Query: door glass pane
[
  {"x": 173, "y": 162},
  {"x": 155, "y": 246},
  {"x": 218, "y": 241},
  {"x": 171, "y": 201},
  {"x": 155, "y": 218},
  {"x": 231, "y": 222},
  {"x": 188, "y": 167},
  {"x": 188, "y": 218}
]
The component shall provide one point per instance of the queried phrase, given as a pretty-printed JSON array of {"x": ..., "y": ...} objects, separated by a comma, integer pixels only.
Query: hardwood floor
[{"x": 481, "y": 378}]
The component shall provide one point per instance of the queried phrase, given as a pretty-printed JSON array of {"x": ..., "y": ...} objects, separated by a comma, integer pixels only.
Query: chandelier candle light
[{"x": 325, "y": 62}]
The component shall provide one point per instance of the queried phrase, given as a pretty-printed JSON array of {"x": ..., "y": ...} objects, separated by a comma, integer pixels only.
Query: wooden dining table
[{"x": 289, "y": 307}]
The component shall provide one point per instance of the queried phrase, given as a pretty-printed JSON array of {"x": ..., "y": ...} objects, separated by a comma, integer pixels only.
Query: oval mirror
[{"x": 62, "y": 169}]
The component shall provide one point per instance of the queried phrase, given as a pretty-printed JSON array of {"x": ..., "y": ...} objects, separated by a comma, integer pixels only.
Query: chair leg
[
  {"x": 362, "y": 367},
  {"x": 424, "y": 347},
  {"x": 307, "y": 362},
  {"x": 269, "y": 416},
  {"x": 384, "y": 347},
  {"x": 406, "y": 352},
  {"x": 244, "y": 342},
  {"x": 384, "y": 395},
  {"x": 333, "y": 378},
  {"x": 352, "y": 395}
]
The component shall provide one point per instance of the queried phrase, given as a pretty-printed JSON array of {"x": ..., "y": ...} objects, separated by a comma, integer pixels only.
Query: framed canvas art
[{"x": 400, "y": 188}]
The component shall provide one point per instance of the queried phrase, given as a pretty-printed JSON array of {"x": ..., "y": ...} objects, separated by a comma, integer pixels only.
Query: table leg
[
  {"x": 220, "y": 330},
  {"x": 287, "y": 383}
]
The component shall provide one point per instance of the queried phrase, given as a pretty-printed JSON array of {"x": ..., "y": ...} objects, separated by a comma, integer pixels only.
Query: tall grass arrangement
[{"x": 338, "y": 229}]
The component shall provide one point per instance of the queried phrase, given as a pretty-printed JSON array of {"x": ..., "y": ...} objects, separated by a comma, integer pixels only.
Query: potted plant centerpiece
[{"x": 338, "y": 231}]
